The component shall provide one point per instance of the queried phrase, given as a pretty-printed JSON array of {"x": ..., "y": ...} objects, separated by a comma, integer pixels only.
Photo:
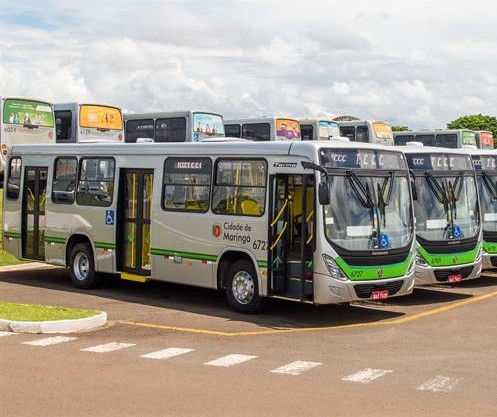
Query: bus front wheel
[
  {"x": 242, "y": 289},
  {"x": 82, "y": 267}
]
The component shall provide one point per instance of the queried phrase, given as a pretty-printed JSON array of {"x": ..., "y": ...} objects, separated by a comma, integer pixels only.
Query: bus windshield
[
  {"x": 206, "y": 125},
  {"x": 377, "y": 213},
  {"x": 28, "y": 113},
  {"x": 100, "y": 117},
  {"x": 446, "y": 207},
  {"x": 487, "y": 187},
  {"x": 383, "y": 130}
]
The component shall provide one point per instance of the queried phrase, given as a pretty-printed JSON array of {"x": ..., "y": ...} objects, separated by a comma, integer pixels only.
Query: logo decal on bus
[{"x": 216, "y": 230}]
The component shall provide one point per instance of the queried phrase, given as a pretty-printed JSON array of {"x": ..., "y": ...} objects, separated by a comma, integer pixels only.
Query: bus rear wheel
[
  {"x": 242, "y": 289},
  {"x": 82, "y": 267}
]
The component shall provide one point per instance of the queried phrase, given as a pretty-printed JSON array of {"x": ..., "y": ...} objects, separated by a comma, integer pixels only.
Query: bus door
[
  {"x": 133, "y": 228},
  {"x": 33, "y": 212},
  {"x": 291, "y": 236}
]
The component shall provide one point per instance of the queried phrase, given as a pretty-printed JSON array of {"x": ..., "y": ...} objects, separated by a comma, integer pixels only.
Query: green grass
[
  {"x": 5, "y": 258},
  {"x": 34, "y": 312}
]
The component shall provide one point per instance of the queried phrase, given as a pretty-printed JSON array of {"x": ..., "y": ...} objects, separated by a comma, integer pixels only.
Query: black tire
[
  {"x": 82, "y": 267},
  {"x": 242, "y": 288}
]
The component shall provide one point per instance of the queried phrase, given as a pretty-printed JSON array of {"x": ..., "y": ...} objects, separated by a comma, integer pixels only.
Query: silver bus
[
  {"x": 314, "y": 222},
  {"x": 446, "y": 138},
  {"x": 263, "y": 128},
  {"x": 368, "y": 131},
  {"x": 318, "y": 128},
  {"x": 447, "y": 215},
  {"x": 85, "y": 122},
  {"x": 172, "y": 126}
]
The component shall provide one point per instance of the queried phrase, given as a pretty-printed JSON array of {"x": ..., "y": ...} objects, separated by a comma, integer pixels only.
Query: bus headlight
[
  {"x": 420, "y": 260},
  {"x": 333, "y": 268}
]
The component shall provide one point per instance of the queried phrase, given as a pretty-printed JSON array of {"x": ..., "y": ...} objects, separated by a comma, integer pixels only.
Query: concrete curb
[{"x": 56, "y": 326}]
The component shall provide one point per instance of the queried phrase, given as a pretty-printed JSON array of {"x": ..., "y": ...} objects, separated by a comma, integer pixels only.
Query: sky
[{"x": 419, "y": 64}]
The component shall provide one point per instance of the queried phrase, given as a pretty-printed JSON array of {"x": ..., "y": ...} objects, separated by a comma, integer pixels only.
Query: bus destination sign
[
  {"x": 439, "y": 162},
  {"x": 485, "y": 162},
  {"x": 361, "y": 158}
]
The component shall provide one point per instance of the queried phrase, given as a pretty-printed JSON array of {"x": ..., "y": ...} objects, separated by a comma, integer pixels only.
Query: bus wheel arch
[
  {"x": 237, "y": 275},
  {"x": 81, "y": 262}
]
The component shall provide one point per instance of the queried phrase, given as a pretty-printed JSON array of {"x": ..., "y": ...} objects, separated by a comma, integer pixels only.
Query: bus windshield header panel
[
  {"x": 28, "y": 112},
  {"x": 100, "y": 117},
  {"x": 361, "y": 158},
  {"x": 439, "y": 162}
]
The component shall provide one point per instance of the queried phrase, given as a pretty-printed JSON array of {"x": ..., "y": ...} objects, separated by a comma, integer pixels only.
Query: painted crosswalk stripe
[
  {"x": 365, "y": 376},
  {"x": 230, "y": 360},
  {"x": 107, "y": 347},
  {"x": 296, "y": 368},
  {"x": 48, "y": 341},
  {"x": 439, "y": 384},
  {"x": 166, "y": 353},
  {"x": 5, "y": 334}
]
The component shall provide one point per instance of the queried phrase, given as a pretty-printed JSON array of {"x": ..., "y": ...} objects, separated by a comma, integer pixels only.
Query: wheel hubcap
[
  {"x": 243, "y": 287},
  {"x": 81, "y": 267}
]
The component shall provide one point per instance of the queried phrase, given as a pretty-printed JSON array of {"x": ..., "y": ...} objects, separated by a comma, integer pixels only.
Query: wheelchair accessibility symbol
[{"x": 109, "y": 217}]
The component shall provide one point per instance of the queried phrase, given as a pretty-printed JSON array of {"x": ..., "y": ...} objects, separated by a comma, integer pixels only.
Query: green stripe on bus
[
  {"x": 51, "y": 239},
  {"x": 362, "y": 273},
  {"x": 103, "y": 245},
  {"x": 16, "y": 235},
  {"x": 449, "y": 259},
  {"x": 187, "y": 255},
  {"x": 490, "y": 247},
  {"x": 262, "y": 264}
]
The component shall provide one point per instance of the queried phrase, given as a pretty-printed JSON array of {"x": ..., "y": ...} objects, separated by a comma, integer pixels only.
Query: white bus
[
  {"x": 83, "y": 122},
  {"x": 314, "y": 222},
  {"x": 485, "y": 163},
  {"x": 447, "y": 215},
  {"x": 173, "y": 126},
  {"x": 318, "y": 128},
  {"x": 372, "y": 131},
  {"x": 24, "y": 121},
  {"x": 446, "y": 138},
  {"x": 263, "y": 128}
]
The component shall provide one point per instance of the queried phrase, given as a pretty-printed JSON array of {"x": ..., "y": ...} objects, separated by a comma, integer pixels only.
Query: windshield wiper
[
  {"x": 382, "y": 201},
  {"x": 438, "y": 191},
  {"x": 489, "y": 185},
  {"x": 362, "y": 193}
]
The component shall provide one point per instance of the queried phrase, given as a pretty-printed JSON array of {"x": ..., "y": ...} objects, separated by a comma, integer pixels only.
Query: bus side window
[
  {"x": 362, "y": 134},
  {"x": 348, "y": 132}
]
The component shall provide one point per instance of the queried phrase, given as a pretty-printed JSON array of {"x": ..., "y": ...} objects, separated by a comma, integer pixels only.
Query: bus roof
[{"x": 158, "y": 114}]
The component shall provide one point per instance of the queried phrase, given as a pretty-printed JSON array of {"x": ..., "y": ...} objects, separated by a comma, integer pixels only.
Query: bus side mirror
[{"x": 324, "y": 194}]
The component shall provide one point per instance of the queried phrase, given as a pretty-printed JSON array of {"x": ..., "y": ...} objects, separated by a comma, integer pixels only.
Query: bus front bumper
[
  {"x": 428, "y": 275},
  {"x": 328, "y": 290}
]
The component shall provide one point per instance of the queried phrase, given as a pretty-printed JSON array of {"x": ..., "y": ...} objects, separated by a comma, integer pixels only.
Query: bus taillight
[
  {"x": 120, "y": 137},
  {"x": 4, "y": 149}
]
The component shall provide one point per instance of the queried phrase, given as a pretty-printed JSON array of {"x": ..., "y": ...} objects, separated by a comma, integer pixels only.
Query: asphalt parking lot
[{"x": 428, "y": 353}]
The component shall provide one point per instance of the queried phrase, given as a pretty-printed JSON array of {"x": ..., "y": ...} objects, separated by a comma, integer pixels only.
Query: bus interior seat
[{"x": 250, "y": 207}]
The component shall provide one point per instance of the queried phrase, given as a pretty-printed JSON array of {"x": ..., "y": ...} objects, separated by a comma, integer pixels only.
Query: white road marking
[
  {"x": 439, "y": 384},
  {"x": 48, "y": 341},
  {"x": 166, "y": 353},
  {"x": 296, "y": 368},
  {"x": 366, "y": 375},
  {"x": 108, "y": 347},
  {"x": 5, "y": 334},
  {"x": 230, "y": 360}
]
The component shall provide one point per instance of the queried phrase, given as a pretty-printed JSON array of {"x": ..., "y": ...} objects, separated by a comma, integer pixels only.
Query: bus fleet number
[
  {"x": 9, "y": 129},
  {"x": 84, "y": 131},
  {"x": 259, "y": 244}
]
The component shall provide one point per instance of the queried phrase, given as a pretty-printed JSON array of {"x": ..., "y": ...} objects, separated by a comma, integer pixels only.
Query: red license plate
[
  {"x": 379, "y": 295},
  {"x": 455, "y": 278}
]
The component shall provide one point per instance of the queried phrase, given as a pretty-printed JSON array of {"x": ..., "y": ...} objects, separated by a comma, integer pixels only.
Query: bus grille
[
  {"x": 442, "y": 275},
  {"x": 365, "y": 290}
]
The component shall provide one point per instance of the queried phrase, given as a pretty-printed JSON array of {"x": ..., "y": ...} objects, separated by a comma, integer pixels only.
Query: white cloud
[{"x": 420, "y": 64}]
